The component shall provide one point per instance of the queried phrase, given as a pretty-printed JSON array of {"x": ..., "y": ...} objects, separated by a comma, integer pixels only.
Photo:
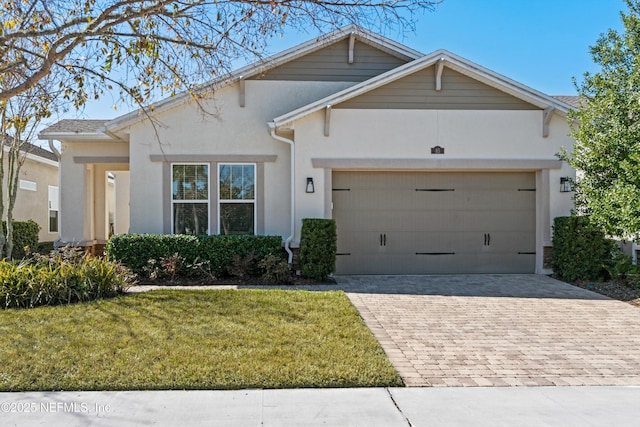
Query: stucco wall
[
  {"x": 410, "y": 134},
  {"x": 78, "y": 187},
  {"x": 35, "y": 204},
  {"x": 227, "y": 129}
]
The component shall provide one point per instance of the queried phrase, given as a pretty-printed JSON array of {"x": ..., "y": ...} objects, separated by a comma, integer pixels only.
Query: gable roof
[
  {"x": 574, "y": 101},
  {"x": 365, "y": 36},
  {"x": 34, "y": 152},
  {"x": 39, "y": 151},
  {"x": 75, "y": 129},
  {"x": 449, "y": 60}
]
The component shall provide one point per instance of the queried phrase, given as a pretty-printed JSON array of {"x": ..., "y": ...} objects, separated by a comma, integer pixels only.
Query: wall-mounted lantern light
[
  {"x": 565, "y": 184},
  {"x": 310, "y": 187}
]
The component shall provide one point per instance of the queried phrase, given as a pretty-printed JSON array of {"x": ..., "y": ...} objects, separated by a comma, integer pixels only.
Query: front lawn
[{"x": 204, "y": 339}]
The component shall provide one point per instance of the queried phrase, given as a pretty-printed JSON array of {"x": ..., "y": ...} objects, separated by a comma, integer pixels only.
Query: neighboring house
[
  {"x": 37, "y": 196},
  {"x": 428, "y": 163}
]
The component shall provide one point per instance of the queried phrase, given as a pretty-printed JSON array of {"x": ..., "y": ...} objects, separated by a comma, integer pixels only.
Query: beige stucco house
[
  {"x": 428, "y": 163},
  {"x": 37, "y": 194}
]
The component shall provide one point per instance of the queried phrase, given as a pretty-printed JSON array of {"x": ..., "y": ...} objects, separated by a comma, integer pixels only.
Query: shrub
[
  {"x": 25, "y": 237},
  {"x": 45, "y": 248},
  {"x": 136, "y": 250},
  {"x": 211, "y": 256},
  {"x": 64, "y": 277},
  {"x": 318, "y": 248},
  {"x": 580, "y": 249},
  {"x": 276, "y": 270},
  {"x": 221, "y": 250}
]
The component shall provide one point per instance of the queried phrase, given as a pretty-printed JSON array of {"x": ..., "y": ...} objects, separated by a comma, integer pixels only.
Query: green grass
[{"x": 177, "y": 339}]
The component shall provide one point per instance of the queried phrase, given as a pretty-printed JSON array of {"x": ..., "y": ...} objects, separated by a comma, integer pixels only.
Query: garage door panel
[
  {"x": 435, "y": 264},
  {"x": 389, "y": 220},
  {"x": 474, "y": 223},
  {"x": 487, "y": 221}
]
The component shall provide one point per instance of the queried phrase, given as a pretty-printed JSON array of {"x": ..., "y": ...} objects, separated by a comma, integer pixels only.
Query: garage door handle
[
  {"x": 485, "y": 239},
  {"x": 380, "y": 239},
  {"x": 385, "y": 239},
  {"x": 488, "y": 239}
]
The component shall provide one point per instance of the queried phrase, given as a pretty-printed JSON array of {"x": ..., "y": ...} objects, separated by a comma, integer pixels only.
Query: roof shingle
[{"x": 75, "y": 126}]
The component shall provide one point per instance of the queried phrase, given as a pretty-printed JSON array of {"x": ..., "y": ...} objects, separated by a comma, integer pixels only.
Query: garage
[{"x": 434, "y": 222}]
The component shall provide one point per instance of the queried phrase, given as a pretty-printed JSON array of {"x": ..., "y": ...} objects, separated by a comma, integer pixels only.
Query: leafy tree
[
  {"x": 20, "y": 117},
  {"x": 606, "y": 129},
  {"x": 142, "y": 47},
  {"x": 74, "y": 50}
]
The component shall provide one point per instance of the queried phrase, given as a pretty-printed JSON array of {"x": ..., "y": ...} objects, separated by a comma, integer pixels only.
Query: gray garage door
[{"x": 433, "y": 223}]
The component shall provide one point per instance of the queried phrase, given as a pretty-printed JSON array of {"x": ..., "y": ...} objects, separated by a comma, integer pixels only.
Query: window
[
  {"x": 54, "y": 203},
  {"x": 237, "y": 198},
  {"x": 28, "y": 185},
  {"x": 190, "y": 198}
]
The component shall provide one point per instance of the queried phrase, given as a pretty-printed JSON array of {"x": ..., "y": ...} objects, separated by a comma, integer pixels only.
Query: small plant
[
  {"x": 66, "y": 276},
  {"x": 243, "y": 267},
  {"x": 199, "y": 269},
  {"x": 171, "y": 265},
  {"x": 276, "y": 270},
  {"x": 620, "y": 266}
]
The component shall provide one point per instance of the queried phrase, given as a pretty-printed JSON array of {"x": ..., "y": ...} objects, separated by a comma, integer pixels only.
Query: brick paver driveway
[{"x": 498, "y": 330}]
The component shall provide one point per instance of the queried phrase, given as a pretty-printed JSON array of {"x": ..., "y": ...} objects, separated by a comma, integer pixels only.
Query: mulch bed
[{"x": 613, "y": 289}]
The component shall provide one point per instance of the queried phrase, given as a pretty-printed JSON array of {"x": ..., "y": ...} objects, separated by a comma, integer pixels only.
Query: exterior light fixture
[
  {"x": 565, "y": 184},
  {"x": 310, "y": 187}
]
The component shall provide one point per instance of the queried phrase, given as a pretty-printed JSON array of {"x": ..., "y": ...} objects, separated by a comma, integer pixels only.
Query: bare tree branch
[{"x": 161, "y": 45}]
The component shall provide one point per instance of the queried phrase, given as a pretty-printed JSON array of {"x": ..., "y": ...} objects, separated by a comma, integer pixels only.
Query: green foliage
[
  {"x": 45, "y": 248},
  {"x": 64, "y": 277},
  {"x": 25, "y": 237},
  {"x": 318, "y": 248},
  {"x": 195, "y": 255},
  {"x": 621, "y": 268},
  {"x": 135, "y": 250},
  {"x": 606, "y": 129},
  {"x": 220, "y": 251},
  {"x": 276, "y": 270},
  {"x": 580, "y": 249}
]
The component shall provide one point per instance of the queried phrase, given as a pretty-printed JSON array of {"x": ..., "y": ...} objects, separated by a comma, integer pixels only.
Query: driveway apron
[{"x": 498, "y": 330}]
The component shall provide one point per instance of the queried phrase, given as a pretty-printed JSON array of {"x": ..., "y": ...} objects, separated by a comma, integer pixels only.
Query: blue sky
[{"x": 540, "y": 43}]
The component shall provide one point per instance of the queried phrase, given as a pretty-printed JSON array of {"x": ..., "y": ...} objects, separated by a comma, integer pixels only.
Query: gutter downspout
[
  {"x": 58, "y": 242},
  {"x": 287, "y": 242}
]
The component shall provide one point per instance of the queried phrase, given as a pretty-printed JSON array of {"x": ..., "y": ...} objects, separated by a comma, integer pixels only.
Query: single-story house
[
  {"x": 37, "y": 194},
  {"x": 428, "y": 163}
]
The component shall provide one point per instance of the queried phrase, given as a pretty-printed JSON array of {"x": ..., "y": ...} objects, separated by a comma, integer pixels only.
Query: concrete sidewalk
[{"x": 477, "y": 406}]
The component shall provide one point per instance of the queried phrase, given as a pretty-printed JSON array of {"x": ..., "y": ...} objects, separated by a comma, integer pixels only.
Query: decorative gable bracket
[
  {"x": 439, "y": 70},
  {"x": 546, "y": 119},
  {"x": 327, "y": 120},
  {"x": 352, "y": 44},
  {"x": 241, "y": 94}
]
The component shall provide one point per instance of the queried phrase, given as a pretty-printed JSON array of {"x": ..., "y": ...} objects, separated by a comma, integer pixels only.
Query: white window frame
[
  {"x": 53, "y": 206},
  {"x": 208, "y": 165},
  {"x": 255, "y": 193},
  {"x": 28, "y": 185}
]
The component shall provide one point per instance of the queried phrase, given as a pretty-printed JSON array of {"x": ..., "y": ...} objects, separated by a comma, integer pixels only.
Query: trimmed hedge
[
  {"x": 135, "y": 250},
  {"x": 218, "y": 251},
  {"x": 25, "y": 235},
  {"x": 580, "y": 249},
  {"x": 318, "y": 248}
]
